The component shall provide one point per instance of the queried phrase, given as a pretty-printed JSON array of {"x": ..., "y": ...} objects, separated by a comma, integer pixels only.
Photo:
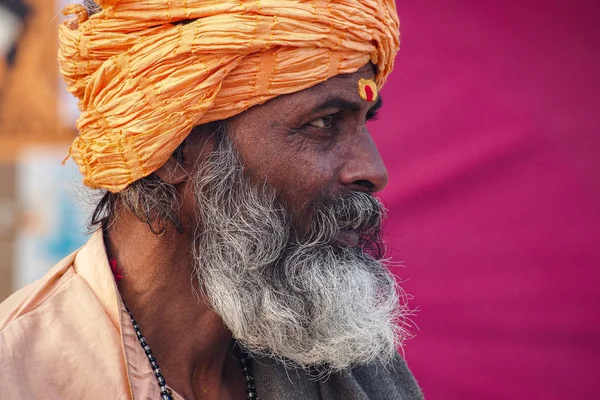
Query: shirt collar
[{"x": 92, "y": 265}]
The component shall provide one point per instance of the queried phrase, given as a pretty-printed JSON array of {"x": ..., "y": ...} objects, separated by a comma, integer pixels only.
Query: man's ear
[
  {"x": 175, "y": 170},
  {"x": 196, "y": 146}
]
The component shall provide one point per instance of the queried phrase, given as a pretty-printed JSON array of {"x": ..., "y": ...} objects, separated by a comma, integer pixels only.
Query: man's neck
[{"x": 187, "y": 338}]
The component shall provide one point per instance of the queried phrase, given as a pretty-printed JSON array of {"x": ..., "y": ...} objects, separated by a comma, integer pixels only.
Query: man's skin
[{"x": 305, "y": 152}]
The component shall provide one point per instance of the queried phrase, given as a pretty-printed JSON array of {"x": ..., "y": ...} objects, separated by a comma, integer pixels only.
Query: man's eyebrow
[
  {"x": 345, "y": 104},
  {"x": 337, "y": 102},
  {"x": 376, "y": 106}
]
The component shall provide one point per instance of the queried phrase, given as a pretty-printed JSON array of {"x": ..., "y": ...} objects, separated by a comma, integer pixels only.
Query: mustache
[{"x": 355, "y": 211}]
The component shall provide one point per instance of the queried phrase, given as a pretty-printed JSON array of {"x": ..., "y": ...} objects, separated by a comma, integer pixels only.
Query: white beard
[{"x": 306, "y": 302}]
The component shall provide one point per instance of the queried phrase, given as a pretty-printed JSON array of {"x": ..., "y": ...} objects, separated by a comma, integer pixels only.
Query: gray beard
[{"x": 302, "y": 299}]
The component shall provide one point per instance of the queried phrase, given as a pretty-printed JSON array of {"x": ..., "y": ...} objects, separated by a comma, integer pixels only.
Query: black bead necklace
[{"x": 165, "y": 392}]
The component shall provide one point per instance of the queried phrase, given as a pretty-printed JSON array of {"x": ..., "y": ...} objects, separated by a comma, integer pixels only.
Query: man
[{"x": 238, "y": 240}]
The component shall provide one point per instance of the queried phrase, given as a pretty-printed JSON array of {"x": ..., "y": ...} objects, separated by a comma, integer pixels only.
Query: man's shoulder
[
  {"x": 36, "y": 294},
  {"x": 55, "y": 329}
]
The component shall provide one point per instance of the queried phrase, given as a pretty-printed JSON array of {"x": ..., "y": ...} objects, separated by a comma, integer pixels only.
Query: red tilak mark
[
  {"x": 115, "y": 271},
  {"x": 369, "y": 93}
]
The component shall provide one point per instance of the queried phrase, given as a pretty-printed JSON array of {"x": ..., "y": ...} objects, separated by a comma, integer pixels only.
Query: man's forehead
[
  {"x": 340, "y": 86},
  {"x": 346, "y": 81}
]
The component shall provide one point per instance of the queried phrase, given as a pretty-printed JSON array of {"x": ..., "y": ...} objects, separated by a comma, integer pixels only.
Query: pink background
[{"x": 490, "y": 133}]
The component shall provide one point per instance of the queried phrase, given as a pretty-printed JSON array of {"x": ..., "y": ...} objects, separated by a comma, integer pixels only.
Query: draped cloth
[
  {"x": 75, "y": 314},
  {"x": 147, "y": 71}
]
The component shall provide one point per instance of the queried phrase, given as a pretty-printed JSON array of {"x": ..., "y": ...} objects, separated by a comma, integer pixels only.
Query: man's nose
[{"x": 364, "y": 169}]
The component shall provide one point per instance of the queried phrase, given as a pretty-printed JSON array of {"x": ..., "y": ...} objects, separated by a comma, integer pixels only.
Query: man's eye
[{"x": 323, "y": 123}]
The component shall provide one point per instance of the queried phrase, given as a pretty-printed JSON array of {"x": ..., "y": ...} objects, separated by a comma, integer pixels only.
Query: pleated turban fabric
[{"x": 147, "y": 71}]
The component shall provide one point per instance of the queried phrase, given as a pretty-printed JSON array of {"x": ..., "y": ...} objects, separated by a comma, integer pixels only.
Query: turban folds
[{"x": 147, "y": 71}]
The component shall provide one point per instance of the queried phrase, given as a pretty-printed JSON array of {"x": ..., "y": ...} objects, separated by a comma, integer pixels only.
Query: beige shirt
[{"x": 68, "y": 336}]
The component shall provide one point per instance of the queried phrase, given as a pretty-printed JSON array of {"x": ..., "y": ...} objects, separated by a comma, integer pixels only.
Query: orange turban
[{"x": 147, "y": 71}]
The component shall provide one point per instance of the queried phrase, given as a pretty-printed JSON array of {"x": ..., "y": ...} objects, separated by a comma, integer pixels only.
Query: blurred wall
[
  {"x": 490, "y": 133},
  {"x": 29, "y": 96},
  {"x": 30, "y": 117},
  {"x": 7, "y": 227}
]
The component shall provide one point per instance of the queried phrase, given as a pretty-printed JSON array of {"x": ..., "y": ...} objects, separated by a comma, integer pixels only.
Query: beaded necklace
[{"x": 165, "y": 392}]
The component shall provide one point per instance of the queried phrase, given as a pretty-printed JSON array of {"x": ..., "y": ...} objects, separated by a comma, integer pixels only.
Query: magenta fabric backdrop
[{"x": 490, "y": 133}]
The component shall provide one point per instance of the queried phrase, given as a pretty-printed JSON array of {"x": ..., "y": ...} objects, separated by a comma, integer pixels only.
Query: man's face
[
  {"x": 312, "y": 145},
  {"x": 286, "y": 225}
]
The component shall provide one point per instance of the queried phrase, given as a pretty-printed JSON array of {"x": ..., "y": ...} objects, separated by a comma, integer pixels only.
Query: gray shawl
[{"x": 374, "y": 382}]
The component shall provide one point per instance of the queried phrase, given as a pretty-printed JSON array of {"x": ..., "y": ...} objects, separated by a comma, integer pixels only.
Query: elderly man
[{"x": 238, "y": 242}]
